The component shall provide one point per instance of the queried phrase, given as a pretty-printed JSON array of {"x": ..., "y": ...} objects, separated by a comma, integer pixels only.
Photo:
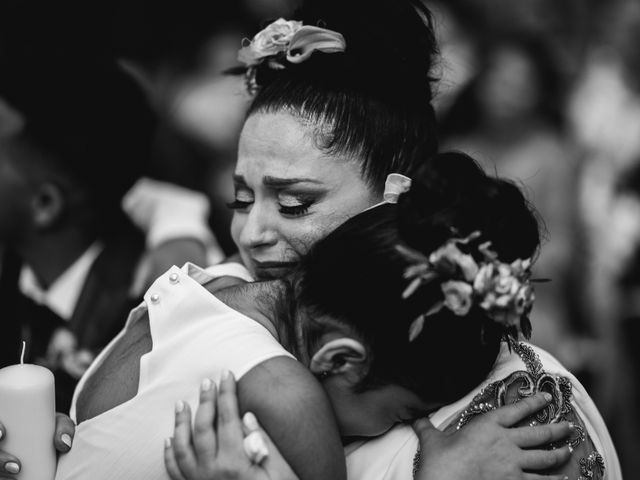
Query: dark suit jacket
[{"x": 100, "y": 313}]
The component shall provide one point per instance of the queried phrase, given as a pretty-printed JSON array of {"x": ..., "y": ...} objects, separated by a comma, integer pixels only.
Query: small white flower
[
  {"x": 484, "y": 279},
  {"x": 458, "y": 297},
  {"x": 450, "y": 259}
]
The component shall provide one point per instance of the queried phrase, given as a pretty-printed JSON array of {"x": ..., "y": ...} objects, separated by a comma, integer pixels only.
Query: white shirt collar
[{"x": 63, "y": 294}]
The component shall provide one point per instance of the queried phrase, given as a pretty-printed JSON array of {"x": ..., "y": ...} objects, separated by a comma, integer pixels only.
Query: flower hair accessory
[
  {"x": 502, "y": 290},
  {"x": 286, "y": 41}
]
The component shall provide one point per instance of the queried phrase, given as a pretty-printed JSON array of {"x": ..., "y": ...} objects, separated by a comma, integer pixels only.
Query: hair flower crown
[
  {"x": 286, "y": 41},
  {"x": 502, "y": 290}
]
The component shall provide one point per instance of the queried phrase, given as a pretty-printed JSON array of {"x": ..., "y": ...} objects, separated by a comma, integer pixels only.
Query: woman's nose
[{"x": 258, "y": 231}]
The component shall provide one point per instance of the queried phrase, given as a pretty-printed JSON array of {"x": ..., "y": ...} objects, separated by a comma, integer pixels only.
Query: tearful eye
[
  {"x": 295, "y": 205},
  {"x": 242, "y": 201},
  {"x": 238, "y": 205},
  {"x": 295, "y": 211}
]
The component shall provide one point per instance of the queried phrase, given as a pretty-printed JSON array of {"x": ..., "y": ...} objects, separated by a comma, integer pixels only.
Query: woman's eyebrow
[{"x": 276, "y": 182}]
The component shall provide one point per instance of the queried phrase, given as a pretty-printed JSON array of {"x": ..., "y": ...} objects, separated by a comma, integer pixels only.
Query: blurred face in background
[
  {"x": 289, "y": 193},
  {"x": 15, "y": 186},
  {"x": 510, "y": 85}
]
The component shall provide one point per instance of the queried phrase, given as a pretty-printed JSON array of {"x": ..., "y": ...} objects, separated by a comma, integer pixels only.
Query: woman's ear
[
  {"x": 47, "y": 205},
  {"x": 340, "y": 355}
]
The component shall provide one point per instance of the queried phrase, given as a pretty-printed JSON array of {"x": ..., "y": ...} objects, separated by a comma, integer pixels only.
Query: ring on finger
[{"x": 255, "y": 447}]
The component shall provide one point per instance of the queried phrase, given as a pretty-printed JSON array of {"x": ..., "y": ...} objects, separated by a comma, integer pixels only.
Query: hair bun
[
  {"x": 390, "y": 50},
  {"x": 451, "y": 196}
]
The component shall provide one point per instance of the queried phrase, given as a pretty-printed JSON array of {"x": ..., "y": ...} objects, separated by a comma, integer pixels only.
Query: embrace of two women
[{"x": 378, "y": 283}]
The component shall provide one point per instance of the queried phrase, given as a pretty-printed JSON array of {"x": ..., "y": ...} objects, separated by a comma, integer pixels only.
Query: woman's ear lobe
[{"x": 340, "y": 355}]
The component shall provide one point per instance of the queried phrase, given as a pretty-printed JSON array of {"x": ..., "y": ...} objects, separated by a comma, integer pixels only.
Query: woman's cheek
[
  {"x": 302, "y": 237},
  {"x": 237, "y": 223}
]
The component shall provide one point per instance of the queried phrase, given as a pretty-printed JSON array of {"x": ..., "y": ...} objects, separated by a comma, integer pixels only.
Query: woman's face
[
  {"x": 372, "y": 412},
  {"x": 289, "y": 193}
]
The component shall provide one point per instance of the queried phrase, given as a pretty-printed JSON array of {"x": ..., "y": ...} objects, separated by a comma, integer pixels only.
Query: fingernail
[
  {"x": 206, "y": 384},
  {"x": 225, "y": 375},
  {"x": 179, "y": 406},
  {"x": 66, "y": 439},
  {"x": 250, "y": 421},
  {"x": 12, "y": 467},
  {"x": 547, "y": 396},
  {"x": 167, "y": 443}
]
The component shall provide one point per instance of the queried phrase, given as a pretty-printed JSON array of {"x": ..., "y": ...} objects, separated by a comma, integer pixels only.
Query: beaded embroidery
[
  {"x": 533, "y": 380},
  {"x": 591, "y": 465}
]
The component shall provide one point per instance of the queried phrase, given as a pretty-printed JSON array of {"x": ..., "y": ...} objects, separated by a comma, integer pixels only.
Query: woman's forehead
[{"x": 282, "y": 146}]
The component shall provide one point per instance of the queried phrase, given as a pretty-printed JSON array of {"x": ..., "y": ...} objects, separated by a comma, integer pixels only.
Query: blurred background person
[{"x": 76, "y": 133}]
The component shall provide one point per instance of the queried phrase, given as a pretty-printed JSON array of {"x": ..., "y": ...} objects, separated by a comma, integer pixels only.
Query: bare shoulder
[{"x": 295, "y": 411}]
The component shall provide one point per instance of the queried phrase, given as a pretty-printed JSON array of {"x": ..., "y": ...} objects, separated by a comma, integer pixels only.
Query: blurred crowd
[{"x": 544, "y": 92}]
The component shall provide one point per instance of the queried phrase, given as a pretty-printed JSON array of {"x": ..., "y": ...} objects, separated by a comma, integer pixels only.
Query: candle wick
[{"x": 24, "y": 346}]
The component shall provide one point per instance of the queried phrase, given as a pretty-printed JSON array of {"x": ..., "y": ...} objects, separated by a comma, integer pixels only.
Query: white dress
[
  {"x": 392, "y": 456},
  {"x": 195, "y": 336}
]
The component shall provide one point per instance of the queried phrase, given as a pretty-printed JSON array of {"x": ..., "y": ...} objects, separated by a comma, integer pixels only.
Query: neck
[
  {"x": 268, "y": 303},
  {"x": 50, "y": 254}
]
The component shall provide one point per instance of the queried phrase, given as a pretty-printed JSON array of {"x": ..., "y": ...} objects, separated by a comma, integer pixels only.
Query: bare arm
[{"x": 292, "y": 407}]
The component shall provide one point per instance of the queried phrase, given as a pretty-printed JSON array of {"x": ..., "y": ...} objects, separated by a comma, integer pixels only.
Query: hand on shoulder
[{"x": 488, "y": 448}]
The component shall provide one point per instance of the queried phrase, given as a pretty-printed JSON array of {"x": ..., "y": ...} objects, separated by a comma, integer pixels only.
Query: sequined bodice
[{"x": 586, "y": 462}]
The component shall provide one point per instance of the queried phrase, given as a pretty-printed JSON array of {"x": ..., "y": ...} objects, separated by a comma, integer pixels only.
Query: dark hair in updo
[
  {"x": 372, "y": 102},
  {"x": 354, "y": 277}
]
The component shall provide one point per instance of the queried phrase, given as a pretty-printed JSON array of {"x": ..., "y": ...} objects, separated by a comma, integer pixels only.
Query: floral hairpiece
[
  {"x": 286, "y": 41},
  {"x": 502, "y": 290}
]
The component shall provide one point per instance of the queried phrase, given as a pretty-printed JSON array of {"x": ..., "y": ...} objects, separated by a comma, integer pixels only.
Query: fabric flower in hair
[
  {"x": 472, "y": 275},
  {"x": 450, "y": 259},
  {"x": 458, "y": 297},
  {"x": 270, "y": 42},
  {"x": 286, "y": 42}
]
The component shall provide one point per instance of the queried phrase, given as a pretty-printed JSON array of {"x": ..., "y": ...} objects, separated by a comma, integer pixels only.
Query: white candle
[{"x": 27, "y": 410}]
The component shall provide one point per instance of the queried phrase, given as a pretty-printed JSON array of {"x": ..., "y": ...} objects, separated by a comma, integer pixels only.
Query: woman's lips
[{"x": 269, "y": 270}]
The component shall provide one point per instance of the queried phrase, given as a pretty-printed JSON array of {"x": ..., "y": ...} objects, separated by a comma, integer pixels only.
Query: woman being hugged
[{"x": 405, "y": 309}]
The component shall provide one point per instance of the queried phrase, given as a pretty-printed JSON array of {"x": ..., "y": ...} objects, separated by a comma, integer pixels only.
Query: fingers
[
  {"x": 204, "y": 436},
  {"x": 425, "y": 430},
  {"x": 541, "y": 435},
  {"x": 538, "y": 460},
  {"x": 65, "y": 430},
  {"x": 170, "y": 461},
  {"x": 228, "y": 422},
  {"x": 181, "y": 443},
  {"x": 510, "y": 415},
  {"x": 8, "y": 463}
]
